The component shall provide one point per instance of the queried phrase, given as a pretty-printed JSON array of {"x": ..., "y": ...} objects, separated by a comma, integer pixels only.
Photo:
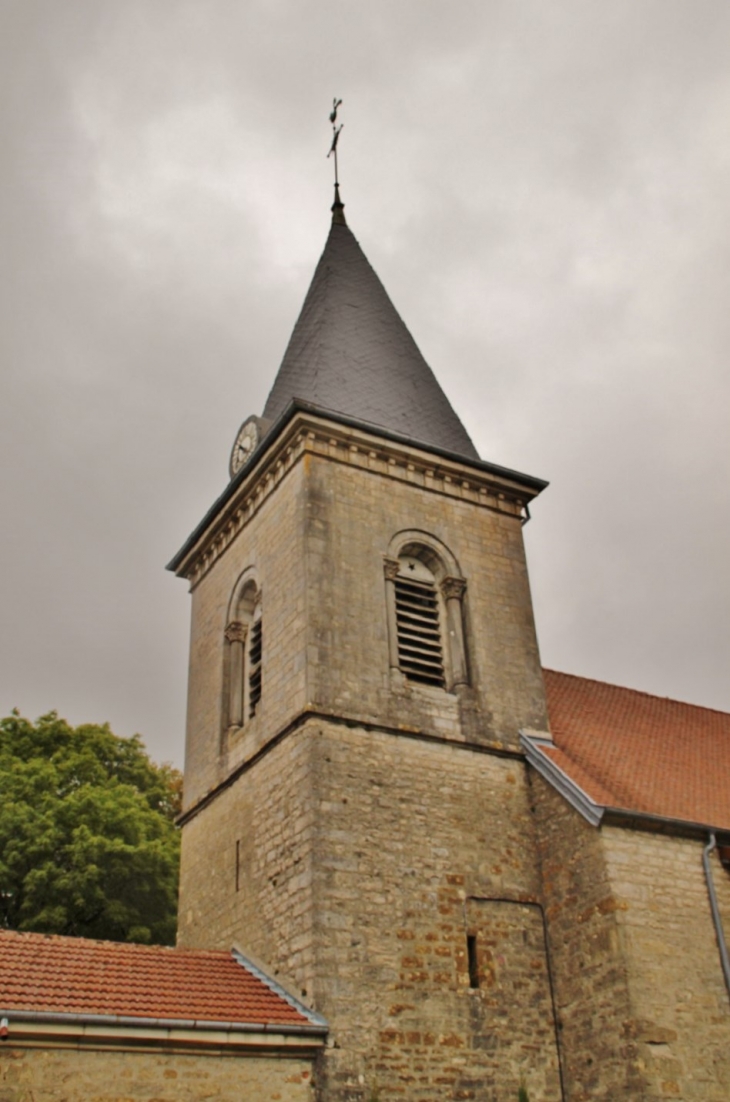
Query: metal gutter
[
  {"x": 246, "y": 962},
  {"x": 554, "y": 775},
  {"x": 298, "y": 405},
  {"x": 660, "y": 824},
  {"x": 532, "y": 481},
  {"x": 596, "y": 813},
  {"x": 137, "y": 1022}
]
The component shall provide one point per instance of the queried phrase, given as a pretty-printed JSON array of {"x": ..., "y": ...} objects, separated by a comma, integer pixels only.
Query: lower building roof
[{"x": 60, "y": 976}]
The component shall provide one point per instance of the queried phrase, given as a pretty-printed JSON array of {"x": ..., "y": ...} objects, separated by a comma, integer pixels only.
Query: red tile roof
[
  {"x": 637, "y": 752},
  {"x": 67, "y": 975}
]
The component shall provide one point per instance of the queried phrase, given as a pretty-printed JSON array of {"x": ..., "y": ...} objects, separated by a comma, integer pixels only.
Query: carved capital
[
  {"x": 236, "y": 632},
  {"x": 453, "y": 588},
  {"x": 391, "y": 568}
]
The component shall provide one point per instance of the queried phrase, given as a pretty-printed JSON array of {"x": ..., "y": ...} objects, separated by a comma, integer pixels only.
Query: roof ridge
[
  {"x": 637, "y": 692},
  {"x": 133, "y": 946}
]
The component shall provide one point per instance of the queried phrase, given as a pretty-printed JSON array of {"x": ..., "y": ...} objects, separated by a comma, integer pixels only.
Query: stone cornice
[
  {"x": 309, "y": 433},
  {"x": 106, "y": 1031}
]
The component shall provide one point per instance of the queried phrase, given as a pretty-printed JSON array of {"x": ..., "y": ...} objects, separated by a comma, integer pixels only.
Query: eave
[
  {"x": 25, "y": 1027},
  {"x": 306, "y": 428},
  {"x": 598, "y": 814}
]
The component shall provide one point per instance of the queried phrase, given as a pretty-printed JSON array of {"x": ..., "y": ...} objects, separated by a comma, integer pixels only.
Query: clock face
[{"x": 245, "y": 444}]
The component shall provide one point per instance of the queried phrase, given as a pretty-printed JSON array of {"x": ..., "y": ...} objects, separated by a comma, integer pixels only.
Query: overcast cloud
[{"x": 542, "y": 188}]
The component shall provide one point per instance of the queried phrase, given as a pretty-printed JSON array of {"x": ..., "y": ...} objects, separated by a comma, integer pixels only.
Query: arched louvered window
[
  {"x": 424, "y": 595},
  {"x": 418, "y": 618},
  {"x": 243, "y": 655}
]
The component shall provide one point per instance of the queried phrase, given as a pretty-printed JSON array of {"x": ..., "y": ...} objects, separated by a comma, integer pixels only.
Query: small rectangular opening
[
  {"x": 471, "y": 954},
  {"x": 238, "y": 864}
]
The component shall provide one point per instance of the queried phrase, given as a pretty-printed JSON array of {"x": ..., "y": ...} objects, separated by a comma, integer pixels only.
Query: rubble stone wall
[
  {"x": 66, "y": 1074},
  {"x": 680, "y": 1004}
]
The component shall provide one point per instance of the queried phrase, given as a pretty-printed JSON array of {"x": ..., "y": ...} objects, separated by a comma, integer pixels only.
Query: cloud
[{"x": 542, "y": 189}]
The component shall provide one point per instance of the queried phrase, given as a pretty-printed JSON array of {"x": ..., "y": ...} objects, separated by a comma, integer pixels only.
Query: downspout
[{"x": 716, "y": 917}]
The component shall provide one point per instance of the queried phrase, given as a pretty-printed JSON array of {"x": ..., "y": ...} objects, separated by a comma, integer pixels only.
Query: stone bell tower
[{"x": 363, "y": 656}]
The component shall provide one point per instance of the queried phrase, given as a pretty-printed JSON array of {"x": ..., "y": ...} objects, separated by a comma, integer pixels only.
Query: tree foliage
[{"x": 88, "y": 845}]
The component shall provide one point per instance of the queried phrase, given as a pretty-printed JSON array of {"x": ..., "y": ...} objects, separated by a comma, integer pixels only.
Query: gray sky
[{"x": 542, "y": 188}]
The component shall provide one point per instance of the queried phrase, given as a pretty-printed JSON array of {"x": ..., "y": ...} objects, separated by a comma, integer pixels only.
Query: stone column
[
  {"x": 236, "y": 636},
  {"x": 391, "y": 568},
  {"x": 453, "y": 593}
]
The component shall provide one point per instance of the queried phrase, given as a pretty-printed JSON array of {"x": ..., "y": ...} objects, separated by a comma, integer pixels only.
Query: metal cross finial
[{"x": 335, "y": 135}]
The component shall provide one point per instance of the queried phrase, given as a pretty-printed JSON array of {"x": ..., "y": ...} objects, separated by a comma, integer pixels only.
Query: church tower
[{"x": 363, "y": 657}]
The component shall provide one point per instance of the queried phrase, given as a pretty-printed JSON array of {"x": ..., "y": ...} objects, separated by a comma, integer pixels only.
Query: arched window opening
[
  {"x": 424, "y": 596},
  {"x": 244, "y": 650},
  {"x": 418, "y": 617}
]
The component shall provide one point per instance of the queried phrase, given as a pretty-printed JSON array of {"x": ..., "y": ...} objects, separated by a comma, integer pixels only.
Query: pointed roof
[{"x": 351, "y": 353}]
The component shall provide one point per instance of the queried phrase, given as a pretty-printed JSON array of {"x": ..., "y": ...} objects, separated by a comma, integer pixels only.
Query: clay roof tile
[
  {"x": 630, "y": 750},
  {"x": 64, "y": 975}
]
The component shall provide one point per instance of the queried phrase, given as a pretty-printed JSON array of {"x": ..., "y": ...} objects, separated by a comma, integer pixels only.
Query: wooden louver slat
[
  {"x": 420, "y": 652},
  {"x": 254, "y": 675}
]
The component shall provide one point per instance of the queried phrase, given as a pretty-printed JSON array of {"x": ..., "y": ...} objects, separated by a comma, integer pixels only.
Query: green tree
[{"x": 88, "y": 845}]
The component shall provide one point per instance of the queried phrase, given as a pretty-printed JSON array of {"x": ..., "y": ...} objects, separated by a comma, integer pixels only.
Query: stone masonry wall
[
  {"x": 271, "y": 542},
  {"x": 369, "y": 859},
  {"x": 641, "y": 998},
  {"x": 600, "y": 1056},
  {"x": 417, "y": 846},
  {"x": 264, "y": 824},
  {"x": 83, "y": 1075},
  {"x": 317, "y": 544},
  {"x": 351, "y": 858},
  {"x": 680, "y": 1004},
  {"x": 352, "y": 514}
]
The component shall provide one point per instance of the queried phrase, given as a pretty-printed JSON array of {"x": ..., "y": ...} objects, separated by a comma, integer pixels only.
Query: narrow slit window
[
  {"x": 472, "y": 960},
  {"x": 254, "y": 668},
  {"x": 238, "y": 865},
  {"x": 418, "y": 617}
]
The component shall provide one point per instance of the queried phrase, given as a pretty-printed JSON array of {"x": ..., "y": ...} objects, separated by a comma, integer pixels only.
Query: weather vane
[{"x": 335, "y": 135}]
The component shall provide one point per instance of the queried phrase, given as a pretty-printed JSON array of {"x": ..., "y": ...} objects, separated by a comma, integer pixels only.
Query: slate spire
[{"x": 351, "y": 353}]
